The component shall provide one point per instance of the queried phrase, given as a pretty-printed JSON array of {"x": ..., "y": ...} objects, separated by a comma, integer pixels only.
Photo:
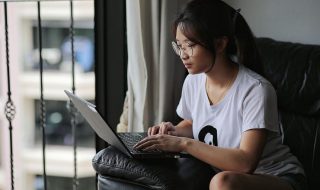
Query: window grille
[{"x": 10, "y": 109}]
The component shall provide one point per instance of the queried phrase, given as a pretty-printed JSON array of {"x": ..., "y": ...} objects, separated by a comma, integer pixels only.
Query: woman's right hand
[{"x": 162, "y": 128}]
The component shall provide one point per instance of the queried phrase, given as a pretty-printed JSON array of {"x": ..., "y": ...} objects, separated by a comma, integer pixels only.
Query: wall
[{"x": 285, "y": 20}]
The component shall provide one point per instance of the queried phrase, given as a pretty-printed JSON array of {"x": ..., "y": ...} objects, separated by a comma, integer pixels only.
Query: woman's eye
[{"x": 191, "y": 44}]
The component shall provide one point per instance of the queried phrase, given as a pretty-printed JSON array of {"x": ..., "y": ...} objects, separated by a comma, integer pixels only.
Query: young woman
[{"x": 229, "y": 112}]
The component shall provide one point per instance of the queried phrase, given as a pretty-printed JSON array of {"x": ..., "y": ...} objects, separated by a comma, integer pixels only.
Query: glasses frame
[{"x": 186, "y": 49}]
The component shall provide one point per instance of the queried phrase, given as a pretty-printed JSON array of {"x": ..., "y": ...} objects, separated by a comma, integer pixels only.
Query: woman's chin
[{"x": 193, "y": 72}]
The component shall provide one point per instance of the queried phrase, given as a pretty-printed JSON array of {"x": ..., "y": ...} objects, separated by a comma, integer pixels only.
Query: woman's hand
[
  {"x": 162, "y": 128},
  {"x": 161, "y": 142}
]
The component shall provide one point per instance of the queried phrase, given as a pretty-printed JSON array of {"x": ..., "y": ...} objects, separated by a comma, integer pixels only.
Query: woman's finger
[
  {"x": 149, "y": 131},
  {"x": 162, "y": 128},
  {"x": 152, "y": 147},
  {"x": 144, "y": 140},
  {"x": 153, "y": 130},
  {"x": 144, "y": 144}
]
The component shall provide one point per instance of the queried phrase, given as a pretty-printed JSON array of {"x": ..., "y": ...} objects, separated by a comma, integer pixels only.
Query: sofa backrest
[{"x": 294, "y": 71}]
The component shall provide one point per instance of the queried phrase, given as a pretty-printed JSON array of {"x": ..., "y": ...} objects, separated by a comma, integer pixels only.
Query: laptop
[{"x": 122, "y": 141}]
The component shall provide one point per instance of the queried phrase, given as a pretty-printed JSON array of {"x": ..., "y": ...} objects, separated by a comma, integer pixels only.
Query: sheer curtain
[{"x": 155, "y": 73}]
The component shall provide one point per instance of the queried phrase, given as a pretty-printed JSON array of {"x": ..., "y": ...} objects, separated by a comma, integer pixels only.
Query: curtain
[
  {"x": 110, "y": 61},
  {"x": 155, "y": 74}
]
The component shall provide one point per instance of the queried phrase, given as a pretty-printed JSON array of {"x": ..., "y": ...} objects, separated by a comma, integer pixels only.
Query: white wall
[{"x": 285, "y": 20}]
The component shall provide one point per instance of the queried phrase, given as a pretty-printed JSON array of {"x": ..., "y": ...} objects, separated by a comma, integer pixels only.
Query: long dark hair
[{"x": 203, "y": 21}]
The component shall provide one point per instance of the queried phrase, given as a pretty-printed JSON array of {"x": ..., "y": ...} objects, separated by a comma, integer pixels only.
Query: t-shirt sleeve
[
  {"x": 183, "y": 108},
  {"x": 260, "y": 108}
]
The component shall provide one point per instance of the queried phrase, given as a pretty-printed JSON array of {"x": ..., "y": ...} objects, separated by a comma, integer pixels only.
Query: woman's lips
[{"x": 187, "y": 65}]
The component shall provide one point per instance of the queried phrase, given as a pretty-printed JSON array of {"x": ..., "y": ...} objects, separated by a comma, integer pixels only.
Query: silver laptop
[{"x": 122, "y": 141}]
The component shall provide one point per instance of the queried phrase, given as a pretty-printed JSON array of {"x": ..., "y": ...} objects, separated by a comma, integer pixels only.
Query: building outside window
[{"x": 25, "y": 87}]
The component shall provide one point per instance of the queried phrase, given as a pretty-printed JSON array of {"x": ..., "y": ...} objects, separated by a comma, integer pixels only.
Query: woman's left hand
[{"x": 163, "y": 142}]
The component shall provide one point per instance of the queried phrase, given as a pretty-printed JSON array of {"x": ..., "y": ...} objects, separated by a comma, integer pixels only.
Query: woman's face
[{"x": 199, "y": 61}]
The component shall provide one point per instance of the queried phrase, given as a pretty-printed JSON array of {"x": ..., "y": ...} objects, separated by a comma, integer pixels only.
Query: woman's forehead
[
  {"x": 180, "y": 37},
  {"x": 187, "y": 32}
]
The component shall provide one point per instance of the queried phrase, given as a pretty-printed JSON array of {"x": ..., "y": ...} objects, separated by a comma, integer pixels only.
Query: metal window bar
[
  {"x": 42, "y": 103},
  {"x": 10, "y": 109},
  {"x": 73, "y": 111}
]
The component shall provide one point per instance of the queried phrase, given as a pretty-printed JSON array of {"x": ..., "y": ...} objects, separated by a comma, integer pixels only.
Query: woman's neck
[
  {"x": 222, "y": 72},
  {"x": 220, "y": 79}
]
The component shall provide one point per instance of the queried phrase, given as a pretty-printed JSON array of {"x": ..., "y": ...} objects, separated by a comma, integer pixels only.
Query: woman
[{"x": 229, "y": 112}]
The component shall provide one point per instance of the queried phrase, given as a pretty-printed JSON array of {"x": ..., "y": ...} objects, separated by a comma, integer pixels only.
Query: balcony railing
[{"x": 55, "y": 160}]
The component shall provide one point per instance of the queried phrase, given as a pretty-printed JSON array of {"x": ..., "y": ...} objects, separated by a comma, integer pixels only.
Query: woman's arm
[{"x": 243, "y": 159}]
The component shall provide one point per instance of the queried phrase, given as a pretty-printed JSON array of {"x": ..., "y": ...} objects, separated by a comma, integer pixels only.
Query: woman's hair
[{"x": 204, "y": 21}]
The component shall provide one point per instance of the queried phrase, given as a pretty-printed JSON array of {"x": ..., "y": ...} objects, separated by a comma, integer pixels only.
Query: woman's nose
[{"x": 184, "y": 55}]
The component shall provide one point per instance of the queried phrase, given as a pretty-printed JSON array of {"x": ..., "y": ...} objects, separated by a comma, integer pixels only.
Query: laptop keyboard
[{"x": 130, "y": 139}]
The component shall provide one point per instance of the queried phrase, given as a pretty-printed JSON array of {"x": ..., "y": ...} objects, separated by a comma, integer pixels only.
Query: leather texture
[
  {"x": 107, "y": 182},
  {"x": 112, "y": 166},
  {"x": 294, "y": 71}
]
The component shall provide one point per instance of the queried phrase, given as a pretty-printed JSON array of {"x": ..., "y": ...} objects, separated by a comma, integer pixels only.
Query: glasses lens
[
  {"x": 176, "y": 48},
  {"x": 189, "y": 50}
]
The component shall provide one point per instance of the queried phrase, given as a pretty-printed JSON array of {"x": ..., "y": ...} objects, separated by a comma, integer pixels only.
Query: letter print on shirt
[{"x": 208, "y": 135}]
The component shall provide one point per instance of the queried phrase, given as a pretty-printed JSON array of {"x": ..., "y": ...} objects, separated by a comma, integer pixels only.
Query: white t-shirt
[{"x": 250, "y": 103}]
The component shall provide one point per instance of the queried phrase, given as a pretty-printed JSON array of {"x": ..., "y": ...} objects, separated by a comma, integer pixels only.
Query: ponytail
[{"x": 247, "y": 51}]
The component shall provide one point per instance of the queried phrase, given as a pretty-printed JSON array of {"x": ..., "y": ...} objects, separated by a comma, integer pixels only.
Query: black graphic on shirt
[{"x": 212, "y": 132}]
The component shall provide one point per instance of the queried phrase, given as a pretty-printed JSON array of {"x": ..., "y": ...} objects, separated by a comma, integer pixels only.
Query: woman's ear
[{"x": 221, "y": 44}]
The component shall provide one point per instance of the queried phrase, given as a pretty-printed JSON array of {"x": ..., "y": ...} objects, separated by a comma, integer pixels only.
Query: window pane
[
  {"x": 56, "y": 46},
  {"x": 58, "y": 128}
]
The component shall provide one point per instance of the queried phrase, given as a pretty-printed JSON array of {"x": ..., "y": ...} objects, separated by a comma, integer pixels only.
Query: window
[
  {"x": 56, "y": 46},
  {"x": 25, "y": 87}
]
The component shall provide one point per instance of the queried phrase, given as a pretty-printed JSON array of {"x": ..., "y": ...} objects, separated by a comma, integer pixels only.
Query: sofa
[{"x": 294, "y": 70}]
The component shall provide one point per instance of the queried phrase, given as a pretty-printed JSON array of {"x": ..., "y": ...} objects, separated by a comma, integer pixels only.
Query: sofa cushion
[
  {"x": 182, "y": 173},
  {"x": 293, "y": 69}
]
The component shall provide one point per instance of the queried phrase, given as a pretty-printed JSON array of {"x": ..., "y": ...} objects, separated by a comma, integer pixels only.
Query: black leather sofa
[{"x": 294, "y": 70}]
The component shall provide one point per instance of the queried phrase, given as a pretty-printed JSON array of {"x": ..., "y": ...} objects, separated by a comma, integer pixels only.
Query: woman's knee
[{"x": 224, "y": 180}]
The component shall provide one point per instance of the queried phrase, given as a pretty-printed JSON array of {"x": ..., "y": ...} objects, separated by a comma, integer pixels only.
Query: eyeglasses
[{"x": 187, "y": 48}]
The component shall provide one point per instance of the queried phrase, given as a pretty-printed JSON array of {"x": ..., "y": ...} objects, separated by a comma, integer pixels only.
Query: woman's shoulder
[
  {"x": 253, "y": 79},
  {"x": 253, "y": 84}
]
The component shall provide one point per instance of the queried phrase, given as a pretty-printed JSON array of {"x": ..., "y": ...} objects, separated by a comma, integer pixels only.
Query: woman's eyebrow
[{"x": 185, "y": 41}]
